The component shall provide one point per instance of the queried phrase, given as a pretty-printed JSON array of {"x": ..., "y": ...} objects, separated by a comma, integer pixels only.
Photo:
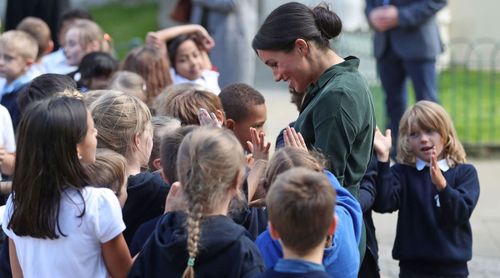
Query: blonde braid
[{"x": 193, "y": 222}]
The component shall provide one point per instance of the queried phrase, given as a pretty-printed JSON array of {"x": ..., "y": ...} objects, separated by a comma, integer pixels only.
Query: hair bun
[{"x": 327, "y": 21}]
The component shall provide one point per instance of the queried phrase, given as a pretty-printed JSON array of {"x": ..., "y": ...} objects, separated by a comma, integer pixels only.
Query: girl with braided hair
[{"x": 195, "y": 236}]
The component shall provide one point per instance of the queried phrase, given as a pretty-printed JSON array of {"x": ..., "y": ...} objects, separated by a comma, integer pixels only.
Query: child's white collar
[{"x": 442, "y": 164}]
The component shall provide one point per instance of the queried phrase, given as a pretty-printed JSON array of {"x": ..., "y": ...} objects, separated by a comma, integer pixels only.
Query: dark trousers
[
  {"x": 369, "y": 267},
  {"x": 394, "y": 72}
]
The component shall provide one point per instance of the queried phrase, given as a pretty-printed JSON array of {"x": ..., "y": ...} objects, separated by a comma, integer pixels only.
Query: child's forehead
[
  {"x": 73, "y": 32},
  {"x": 7, "y": 48},
  {"x": 422, "y": 124}
]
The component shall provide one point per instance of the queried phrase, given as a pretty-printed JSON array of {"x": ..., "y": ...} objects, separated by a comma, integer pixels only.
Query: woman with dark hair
[{"x": 337, "y": 115}]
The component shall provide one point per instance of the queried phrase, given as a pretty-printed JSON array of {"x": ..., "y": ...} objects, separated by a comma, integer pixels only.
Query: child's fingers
[
  {"x": 388, "y": 133},
  {"x": 301, "y": 141},
  {"x": 254, "y": 136},
  {"x": 262, "y": 138},
  {"x": 172, "y": 201},
  {"x": 214, "y": 120},
  {"x": 259, "y": 203},
  {"x": 285, "y": 136},
  {"x": 250, "y": 146},
  {"x": 268, "y": 146}
]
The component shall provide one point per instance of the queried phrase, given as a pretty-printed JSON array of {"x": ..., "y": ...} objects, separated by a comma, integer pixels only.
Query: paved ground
[{"x": 485, "y": 219}]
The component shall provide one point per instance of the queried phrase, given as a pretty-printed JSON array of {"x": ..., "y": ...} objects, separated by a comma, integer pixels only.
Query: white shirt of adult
[{"x": 78, "y": 254}]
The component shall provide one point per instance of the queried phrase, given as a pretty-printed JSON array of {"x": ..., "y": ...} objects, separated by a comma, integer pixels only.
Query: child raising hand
[{"x": 434, "y": 190}]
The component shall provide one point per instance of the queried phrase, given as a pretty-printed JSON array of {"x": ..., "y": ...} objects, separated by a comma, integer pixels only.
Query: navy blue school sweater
[
  {"x": 225, "y": 250},
  {"x": 146, "y": 200},
  {"x": 270, "y": 273},
  {"x": 433, "y": 234},
  {"x": 10, "y": 102}
]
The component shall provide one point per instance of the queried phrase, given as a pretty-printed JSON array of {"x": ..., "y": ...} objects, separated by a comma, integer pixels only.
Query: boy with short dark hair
[
  {"x": 300, "y": 206},
  {"x": 244, "y": 107},
  {"x": 18, "y": 50}
]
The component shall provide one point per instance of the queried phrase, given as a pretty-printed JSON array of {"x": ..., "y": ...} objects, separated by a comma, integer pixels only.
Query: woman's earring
[{"x": 80, "y": 156}]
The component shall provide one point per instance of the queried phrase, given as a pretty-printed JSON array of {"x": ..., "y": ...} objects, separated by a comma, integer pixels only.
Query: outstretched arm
[
  {"x": 382, "y": 144},
  {"x": 171, "y": 33}
]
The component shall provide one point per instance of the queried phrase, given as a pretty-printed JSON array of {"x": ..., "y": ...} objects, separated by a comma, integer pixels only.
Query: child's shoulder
[
  {"x": 99, "y": 196},
  {"x": 465, "y": 169}
]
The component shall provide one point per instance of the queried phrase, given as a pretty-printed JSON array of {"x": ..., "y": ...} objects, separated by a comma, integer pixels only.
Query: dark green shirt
[{"x": 338, "y": 119}]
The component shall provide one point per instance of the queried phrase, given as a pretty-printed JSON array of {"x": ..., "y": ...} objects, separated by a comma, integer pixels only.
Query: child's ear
[
  {"x": 220, "y": 117},
  {"x": 49, "y": 48},
  {"x": 157, "y": 164},
  {"x": 333, "y": 225},
  {"x": 29, "y": 62},
  {"x": 230, "y": 124},
  {"x": 137, "y": 140},
  {"x": 274, "y": 234},
  {"x": 93, "y": 46},
  {"x": 238, "y": 180}
]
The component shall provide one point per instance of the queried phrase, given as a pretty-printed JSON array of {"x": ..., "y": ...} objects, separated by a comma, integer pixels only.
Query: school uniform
[
  {"x": 77, "y": 251},
  {"x": 9, "y": 93},
  {"x": 433, "y": 235},
  {"x": 225, "y": 250},
  {"x": 342, "y": 258},
  {"x": 209, "y": 79},
  {"x": 295, "y": 268},
  {"x": 252, "y": 219},
  {"x": 146, "y": 200}
]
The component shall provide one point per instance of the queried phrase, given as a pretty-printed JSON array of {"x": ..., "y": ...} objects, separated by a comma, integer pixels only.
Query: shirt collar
[
  {"x": 442, "y": 164},
  {"x": 350, "y": 63},
  {"x": 297, "y": 266},
  {"x": 15, "y": 85}
]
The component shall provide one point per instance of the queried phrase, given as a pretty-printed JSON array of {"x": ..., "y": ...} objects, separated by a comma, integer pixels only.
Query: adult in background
[
  {"x": 231, "y": 23},
  {"x": 47, "y": 10},
  {"x": 406, "y": 44},
  {"x": 337, "y": 115}
]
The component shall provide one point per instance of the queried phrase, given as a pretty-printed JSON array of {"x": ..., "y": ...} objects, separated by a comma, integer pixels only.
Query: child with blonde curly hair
[{"x": 434, "y": 190}]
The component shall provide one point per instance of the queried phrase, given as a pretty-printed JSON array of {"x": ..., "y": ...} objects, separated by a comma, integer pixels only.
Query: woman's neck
[{"x": 324, "y": 60}]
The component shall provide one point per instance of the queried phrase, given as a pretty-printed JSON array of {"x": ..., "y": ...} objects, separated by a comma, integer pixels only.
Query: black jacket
[
  {"x": 226, "y": 250},
  {"x": 146, "y": 200}
]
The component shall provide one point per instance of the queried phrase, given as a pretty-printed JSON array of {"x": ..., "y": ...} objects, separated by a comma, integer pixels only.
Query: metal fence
[{"x": 468, "y": 89}]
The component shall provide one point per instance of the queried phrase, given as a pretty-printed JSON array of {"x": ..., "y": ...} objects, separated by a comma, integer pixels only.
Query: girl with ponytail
[{"x": 199, "y": 239}]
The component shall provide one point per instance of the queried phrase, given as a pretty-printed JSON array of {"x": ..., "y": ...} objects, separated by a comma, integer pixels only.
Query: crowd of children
[{"x": 146, "y": 168}]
